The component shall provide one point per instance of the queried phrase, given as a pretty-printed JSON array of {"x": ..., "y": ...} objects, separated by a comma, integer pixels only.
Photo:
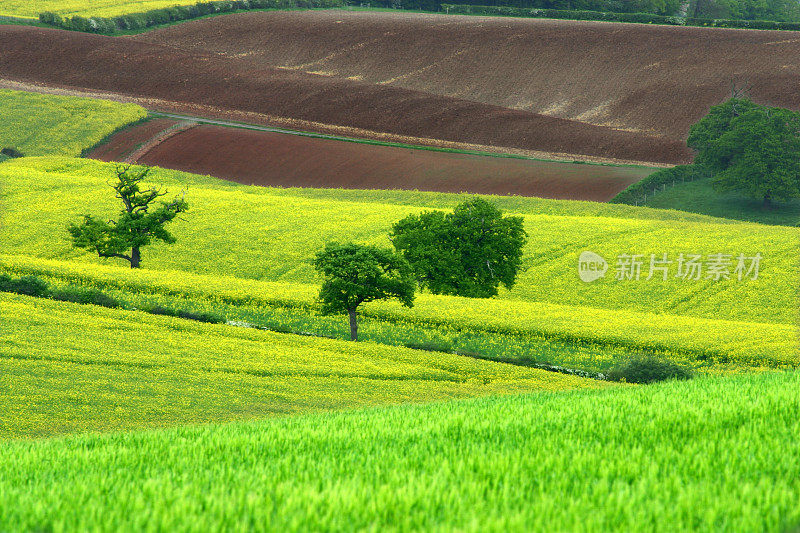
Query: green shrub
[
  {"x": 431, "y": 346},
  {"x": 648, "y": 369},
  {"x": 200, "y": 316},
  {"x": 84, "y": 295},
  {"x": 11, "y": 153},
  {"x": 27, "y": 285},
  {"x": 48, "y": 17}
]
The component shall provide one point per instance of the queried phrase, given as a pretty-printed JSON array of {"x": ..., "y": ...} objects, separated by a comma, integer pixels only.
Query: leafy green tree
[
  {"x": 468, "y": 252},
  {"x": 751, "y": 149},
  {"x": 355, "y": 274},
  {"x": 139, "y": 223},
  {"x": 716, "y": 123}
]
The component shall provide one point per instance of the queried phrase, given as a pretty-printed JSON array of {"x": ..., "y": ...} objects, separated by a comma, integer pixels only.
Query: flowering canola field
[
  {"x": 684, "y": 338},
  {"x": 74, "y": 368},
  {"x": 42, "y": 124},
  {"x": 86, "y": 8},
  {"x": 515, "y": 448},
  {"x": 262, "y": 234}
]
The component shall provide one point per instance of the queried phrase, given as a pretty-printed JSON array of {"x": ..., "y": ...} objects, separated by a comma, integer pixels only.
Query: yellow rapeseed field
[
  {"x": 741, "y": 343},
  {"x": 270, "y": 235},
  {"x": 43, "y": 124},
  {"x": 71, "y": 367},
  {"x": 86, "y": 8}
]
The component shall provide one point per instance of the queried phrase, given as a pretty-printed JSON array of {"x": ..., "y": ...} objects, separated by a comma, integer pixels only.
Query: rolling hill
[
  {"x": 656, "y": 80},
  {"x": 167, "y": 78},
  {"x": 710, "y": 454},
  {"x": 262, "y": 233}
]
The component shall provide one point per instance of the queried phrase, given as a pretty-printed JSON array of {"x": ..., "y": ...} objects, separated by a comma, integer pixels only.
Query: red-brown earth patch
[{"x": 281, "y": 160}]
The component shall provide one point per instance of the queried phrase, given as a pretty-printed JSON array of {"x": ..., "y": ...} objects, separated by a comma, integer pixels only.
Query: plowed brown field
[
  {"x": 281, "y": 160},
  {"x": 658, "y": 79},
  {"x": 166, "y": 77}
]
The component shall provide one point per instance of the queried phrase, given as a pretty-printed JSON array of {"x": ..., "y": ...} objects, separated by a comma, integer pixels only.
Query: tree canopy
[
  {"x": 750, "y": 148},
  {"x": 778, "y": 10},
  {"x": 138, "y": 224},
  {"x": 356, "y": 274},
  {"x": 468, "y": 252}
]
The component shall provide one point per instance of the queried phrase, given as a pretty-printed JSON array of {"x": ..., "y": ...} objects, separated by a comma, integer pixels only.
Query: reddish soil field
[
  {"x": 124, "y": 142},
  {"x": 658, "y": 79},
  {"x": 280, "y": 160},
  {"x": 164, "y": 77}
]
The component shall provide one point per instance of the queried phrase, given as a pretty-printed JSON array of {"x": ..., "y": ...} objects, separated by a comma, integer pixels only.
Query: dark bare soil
[
  {"x": 169, "y": 78},
  {"x": 653, "y": 79}
]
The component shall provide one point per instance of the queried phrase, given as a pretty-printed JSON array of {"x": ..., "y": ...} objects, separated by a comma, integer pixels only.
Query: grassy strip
[
  {"x": 637, "y": 193},
  {"x": 699, "y": 196},
  {"x": 105, "y": 140},
  {"x": 20, "y": 21},
  {"x": 690, "y": 189},
  {"x": 705, "y": 455}
]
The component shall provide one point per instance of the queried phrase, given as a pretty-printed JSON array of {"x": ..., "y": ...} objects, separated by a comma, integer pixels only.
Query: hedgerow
[
  {"x": 568, "y": 14},
  {"x": 672, "y": 336},
  {"x": 166, "y": 15},
  {"x": 642, "y": 18},
  {"x": 638, "y": 192}
]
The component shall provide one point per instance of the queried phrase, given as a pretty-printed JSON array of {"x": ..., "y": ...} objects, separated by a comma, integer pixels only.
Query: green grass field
[
  {"x": 699, "y": 197},
  {"x": 41, "y": 124},
  {"x": 259, "y": 233},
  {"x": 713, "y": 454}
]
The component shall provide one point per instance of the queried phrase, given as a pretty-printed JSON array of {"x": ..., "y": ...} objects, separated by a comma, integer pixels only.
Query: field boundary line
[
  {"x": 374, "y": 142},
  {"x": 159, "y": 138}
]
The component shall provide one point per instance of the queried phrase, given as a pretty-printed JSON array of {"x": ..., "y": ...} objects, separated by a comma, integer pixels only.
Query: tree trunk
[
  {"x": 136, "y": 257},
  {"x": 767, "y": 201},
  {"x": 353, "y": 324}
]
